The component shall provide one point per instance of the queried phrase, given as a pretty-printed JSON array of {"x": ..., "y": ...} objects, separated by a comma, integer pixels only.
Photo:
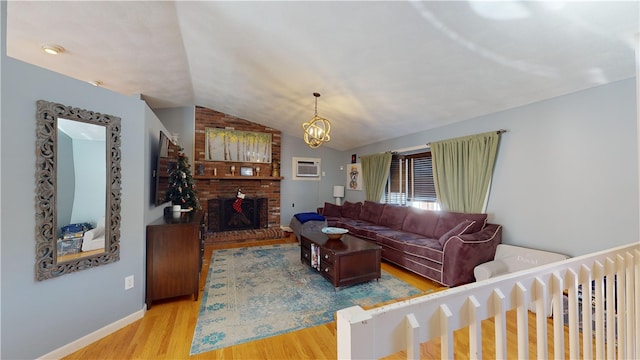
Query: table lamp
[{"x": 338, "y": 192}]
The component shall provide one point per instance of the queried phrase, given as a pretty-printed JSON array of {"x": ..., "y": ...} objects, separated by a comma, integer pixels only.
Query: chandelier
[{"x": 316, "y": 130}]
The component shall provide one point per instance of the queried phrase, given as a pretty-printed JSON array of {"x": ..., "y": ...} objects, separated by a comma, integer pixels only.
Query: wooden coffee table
[{"x": 345, "y": 261}]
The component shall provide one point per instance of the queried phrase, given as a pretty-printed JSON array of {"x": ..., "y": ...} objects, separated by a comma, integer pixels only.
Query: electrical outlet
[{"x": 128, "y": 282}]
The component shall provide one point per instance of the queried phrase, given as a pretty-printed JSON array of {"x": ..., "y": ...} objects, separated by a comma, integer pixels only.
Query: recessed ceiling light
[
  {"x": 95, "y": 82},
  {"x": 53, "y": 49}
]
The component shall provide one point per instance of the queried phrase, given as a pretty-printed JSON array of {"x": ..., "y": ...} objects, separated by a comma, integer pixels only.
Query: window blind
[{"x": 410, "y": 179}]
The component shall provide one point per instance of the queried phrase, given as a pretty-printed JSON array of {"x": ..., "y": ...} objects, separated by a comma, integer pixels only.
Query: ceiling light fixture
[
  {"x": 53, "y": 49},
  {"x": 95, "y": 82},
  {"x": 316, "y": 130}
]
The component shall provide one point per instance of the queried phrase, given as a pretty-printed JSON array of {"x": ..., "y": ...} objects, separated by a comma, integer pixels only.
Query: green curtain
[
  {"x": 462, "y": 170},
  {"x": 375, "y": 170}
]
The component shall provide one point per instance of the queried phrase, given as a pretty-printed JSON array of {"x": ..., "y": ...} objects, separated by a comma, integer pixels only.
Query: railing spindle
[
  {"x": 500, "y": 324},
  {"x": 475, "y": 329},
  {"x": 522, "y": 310}
]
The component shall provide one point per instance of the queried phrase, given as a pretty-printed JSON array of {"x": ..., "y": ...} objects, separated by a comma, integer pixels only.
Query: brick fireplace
[{"x": 216, "y": 185}]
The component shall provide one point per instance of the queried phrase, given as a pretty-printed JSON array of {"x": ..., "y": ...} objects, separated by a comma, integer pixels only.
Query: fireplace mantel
[{"x": 205, "y": 177}]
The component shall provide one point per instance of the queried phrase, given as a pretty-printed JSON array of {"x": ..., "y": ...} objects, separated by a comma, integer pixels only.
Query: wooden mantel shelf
[{"x": 205, "y": 177}]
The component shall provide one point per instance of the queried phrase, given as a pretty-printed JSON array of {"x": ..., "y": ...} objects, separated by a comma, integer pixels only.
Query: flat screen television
[{"x": 167, "y": 159}]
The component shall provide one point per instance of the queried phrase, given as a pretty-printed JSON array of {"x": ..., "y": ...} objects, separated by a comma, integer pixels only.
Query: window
[{"x": 410, "y": 181}]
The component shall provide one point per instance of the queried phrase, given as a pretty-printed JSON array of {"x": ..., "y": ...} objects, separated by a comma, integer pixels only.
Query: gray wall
[
  {"x": 566, "y": 176},
  {"x": 181, "y": 121},
  {"x": 307, "y": 195},
  {"x": 152, "y": 145},
  {"x": 39, "y": 317}
]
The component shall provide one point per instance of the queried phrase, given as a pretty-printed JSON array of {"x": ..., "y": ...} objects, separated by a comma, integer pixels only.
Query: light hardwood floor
[{"x": 166, "y": 332}]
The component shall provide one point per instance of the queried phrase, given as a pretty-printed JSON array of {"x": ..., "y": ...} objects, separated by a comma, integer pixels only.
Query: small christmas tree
[{"x": 181, "y": 185}]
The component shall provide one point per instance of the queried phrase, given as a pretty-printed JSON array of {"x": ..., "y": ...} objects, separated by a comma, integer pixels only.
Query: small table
[{"x": 344, "y": 261}]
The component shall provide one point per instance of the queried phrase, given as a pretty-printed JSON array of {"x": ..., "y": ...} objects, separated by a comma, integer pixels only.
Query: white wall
[{"x": 566, "y": 176}]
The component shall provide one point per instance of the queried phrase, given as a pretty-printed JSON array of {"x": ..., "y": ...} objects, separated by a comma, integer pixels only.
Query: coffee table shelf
[{"x": 343, "y": 262}]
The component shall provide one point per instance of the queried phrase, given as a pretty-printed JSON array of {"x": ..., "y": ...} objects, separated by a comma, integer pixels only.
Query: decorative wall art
[
  {"x": 354, "y": 176},
  {"x": 238, "y": 146}
]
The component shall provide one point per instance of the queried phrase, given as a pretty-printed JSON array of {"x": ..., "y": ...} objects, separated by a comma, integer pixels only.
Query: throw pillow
[
  {"x": 450, "y": 219},
  {"x": 351, "y": 210},
  {"x": 332, "y": 210},
  {"x": 371, "y": 211},
  {"x": 460, "y": 229}
]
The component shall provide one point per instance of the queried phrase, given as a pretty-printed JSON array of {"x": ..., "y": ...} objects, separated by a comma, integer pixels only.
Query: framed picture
[
  {"x": 354, "y": 176},
  {"x": 237, "y": 146},
  {"x": 246, "y": 171}
]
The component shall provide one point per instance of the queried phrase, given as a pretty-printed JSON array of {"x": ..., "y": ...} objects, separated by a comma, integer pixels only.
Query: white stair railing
[{"x": 606, "y": 282}]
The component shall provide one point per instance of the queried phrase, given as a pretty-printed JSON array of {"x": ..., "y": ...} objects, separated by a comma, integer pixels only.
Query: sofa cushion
[
  {"x": 421, "y": 222},
  {"x": 425, "y": 248},
  {"x": 351, "y": 224},
  {"x": 462, "y": 228},
  {"x": 410, "y": 243},
  {"x": 448, "y": 220},
  {"x": 332, "y": 210},
  {"x": 351, "y": 210},
  {"x": 395, "y": 239},
  {"x": 393, "y": 216},
  {"x": 371, "y": 211},
  {"x": 368, "y": 231}
]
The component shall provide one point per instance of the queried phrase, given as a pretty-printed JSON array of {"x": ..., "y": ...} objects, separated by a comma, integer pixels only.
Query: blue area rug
[{"x": 257, "y": 292}]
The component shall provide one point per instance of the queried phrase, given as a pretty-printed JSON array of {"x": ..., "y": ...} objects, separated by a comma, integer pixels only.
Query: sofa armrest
[
  {"x": 93, "y": 234},
  {"x": 93, "y": 239},
  {"x": 490, "y": 269},
  {"x": 461, "y": 254}
]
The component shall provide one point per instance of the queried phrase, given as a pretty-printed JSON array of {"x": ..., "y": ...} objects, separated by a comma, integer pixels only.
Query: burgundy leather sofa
[{"x": 442, "y": 246}]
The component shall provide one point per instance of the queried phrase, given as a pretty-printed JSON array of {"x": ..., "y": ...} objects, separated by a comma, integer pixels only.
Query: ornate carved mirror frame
[{"x": 47, "y": 264}]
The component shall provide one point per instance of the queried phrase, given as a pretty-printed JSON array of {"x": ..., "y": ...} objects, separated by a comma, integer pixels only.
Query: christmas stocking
[{"x": 237, "y": 205}]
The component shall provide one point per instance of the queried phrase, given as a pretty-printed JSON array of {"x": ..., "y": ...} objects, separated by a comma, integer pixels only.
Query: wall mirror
[{"x": 77, "y": 189}]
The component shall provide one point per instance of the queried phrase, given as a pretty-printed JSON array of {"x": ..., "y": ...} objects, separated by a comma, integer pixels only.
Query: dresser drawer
[
  {"x": 327, "y": 271},
  {"x": 305, "y": 255},
  {"x": 326, "y": 256}
]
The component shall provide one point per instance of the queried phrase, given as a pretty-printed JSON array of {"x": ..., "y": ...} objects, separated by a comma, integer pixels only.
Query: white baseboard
[{"x": 94, "y": 336}]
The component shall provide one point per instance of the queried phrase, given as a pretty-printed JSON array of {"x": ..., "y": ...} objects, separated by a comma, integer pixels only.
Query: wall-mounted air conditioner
[{"x": 306, "y": 168}]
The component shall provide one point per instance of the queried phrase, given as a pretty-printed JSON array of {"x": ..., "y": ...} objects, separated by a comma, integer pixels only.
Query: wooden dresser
[{"x": 175, "y": 248}]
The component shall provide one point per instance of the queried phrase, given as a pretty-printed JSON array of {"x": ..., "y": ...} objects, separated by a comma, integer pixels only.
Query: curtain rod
[{"x": 501, "y": 131}]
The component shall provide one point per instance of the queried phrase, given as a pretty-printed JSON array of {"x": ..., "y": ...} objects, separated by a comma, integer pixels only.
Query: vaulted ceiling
[{"x": 383, "y": 69}]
